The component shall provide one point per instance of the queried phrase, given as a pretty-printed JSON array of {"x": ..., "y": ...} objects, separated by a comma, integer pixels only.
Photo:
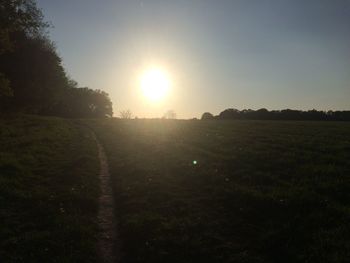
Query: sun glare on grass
[{"x": 155, "y": 84}]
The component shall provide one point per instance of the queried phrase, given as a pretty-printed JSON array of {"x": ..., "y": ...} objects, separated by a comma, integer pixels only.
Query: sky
[{"x": 218, "y": 54}]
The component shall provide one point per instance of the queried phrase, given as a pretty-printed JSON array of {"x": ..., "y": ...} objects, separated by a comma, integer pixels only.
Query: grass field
[
  {"x": 48, "y": 191},
  {"x": 230, "y": 191},
  {"x": 186, "y": 191}
]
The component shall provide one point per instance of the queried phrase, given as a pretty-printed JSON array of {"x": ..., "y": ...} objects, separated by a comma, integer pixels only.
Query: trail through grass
[{"x": 108, "y": 242}]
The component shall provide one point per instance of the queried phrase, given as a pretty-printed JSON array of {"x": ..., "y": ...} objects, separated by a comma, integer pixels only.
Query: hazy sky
[{"x": 219, "y": 54}]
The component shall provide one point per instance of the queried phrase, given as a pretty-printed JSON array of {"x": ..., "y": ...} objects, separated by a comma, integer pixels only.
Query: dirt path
[{"x": 108, "y": 241}]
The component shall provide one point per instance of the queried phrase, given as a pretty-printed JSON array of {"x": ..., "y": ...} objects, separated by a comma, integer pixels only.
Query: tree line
[
  {"x": 287, "y": 114},
  {"x": 32, "y": 77}
]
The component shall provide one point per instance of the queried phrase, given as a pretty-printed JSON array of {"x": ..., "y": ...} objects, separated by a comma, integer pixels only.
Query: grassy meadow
[
  {"x": 185, "y": 191},
  {"x": 230, "y": 191},
  {"x": 48, "y": 191}
]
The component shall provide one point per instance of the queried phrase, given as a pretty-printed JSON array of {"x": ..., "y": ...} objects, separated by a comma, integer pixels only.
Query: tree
[
  {"x": 207, "y": 116},
  {"x": 170, "y": 114},
  {"x": 36, "y": 75},
  {"x": 84, "y": 103},
  {"x": 286, "y": 114},
  {"x": 32, "y": 77},
  {"x": 126, "y": 114},
  {"x": 17, "y": 16},
  {"x": 230, "y": 114}
]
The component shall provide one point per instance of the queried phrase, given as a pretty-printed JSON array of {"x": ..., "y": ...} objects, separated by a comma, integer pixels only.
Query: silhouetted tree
[
  {"x": 229, "y": 114},
  {"x": 36, "y": 75},
  {"x": 32, "y": 78},
  {"x": 207, "y": 116},
  {"x": 84, "y": 103},
  {"x": 261, "y": 114},
  {"x": 126, "y": 114},
  {"x": 287, "y": 114},
  {"x": 17, "y": 16},
  {"x": 170, "y": 114}
]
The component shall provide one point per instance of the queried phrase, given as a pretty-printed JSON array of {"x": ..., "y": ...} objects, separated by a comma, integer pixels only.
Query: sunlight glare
[{"x": 155, "y": 84}]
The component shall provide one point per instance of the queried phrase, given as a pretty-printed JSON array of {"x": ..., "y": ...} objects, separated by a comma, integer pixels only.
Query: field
[
  {"x": 230, "y": 191},
  {"x": 48, "y": 191},
  {"x": 185, "y": 191}
]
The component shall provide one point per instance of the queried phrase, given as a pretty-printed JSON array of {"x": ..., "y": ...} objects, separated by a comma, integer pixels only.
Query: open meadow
[
  {"x": 185, "y": 191},
  {"x": 175, "y": 131},
  {"x": 48, "y": 190},
  {"x": 230, "y": 191}
]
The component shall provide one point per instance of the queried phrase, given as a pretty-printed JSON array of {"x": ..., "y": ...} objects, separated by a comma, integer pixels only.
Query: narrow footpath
[{"x": 108, "y": 240}]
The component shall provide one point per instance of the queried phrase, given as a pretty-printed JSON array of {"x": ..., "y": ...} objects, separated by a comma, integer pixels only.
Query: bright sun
[{"x": 155, "y": 84}]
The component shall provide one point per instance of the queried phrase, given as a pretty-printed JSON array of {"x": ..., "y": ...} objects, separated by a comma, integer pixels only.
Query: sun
[{"x": 155, "y": 84}]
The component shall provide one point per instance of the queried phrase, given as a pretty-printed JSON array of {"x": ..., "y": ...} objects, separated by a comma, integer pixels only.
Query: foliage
[
  {"x": 19, "y": 16},
  {"x": 126, "y": 114},
  {"x": 36, "y": 75},
  {"x": 170, "y": 114},
  {"x": 32, "y": 71},
  {"x": 207, "y": 116},
  {"x": 16, "y": 16},
  {"x": 84, "y": 103},
  {"x": 48, "y": 191},
  {"x": 288, "y": 114},
  {"x": 233, "y": 191}
]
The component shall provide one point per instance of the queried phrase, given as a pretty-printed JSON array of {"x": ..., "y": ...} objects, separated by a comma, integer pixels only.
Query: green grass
[
  {"x": 48, "y": 191},
  {"x": 230, "y": 191}
]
